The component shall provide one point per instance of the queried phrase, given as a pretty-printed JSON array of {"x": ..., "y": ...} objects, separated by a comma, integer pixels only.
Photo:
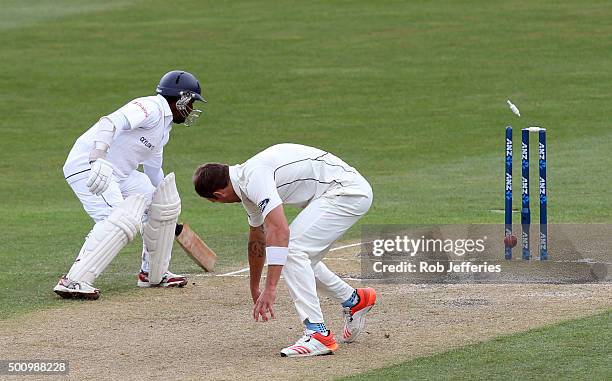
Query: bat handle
[{"x": 178, "y": 230}]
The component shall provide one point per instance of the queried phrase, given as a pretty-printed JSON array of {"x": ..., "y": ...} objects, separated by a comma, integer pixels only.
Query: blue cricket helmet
[{"x": 178, "y": 82}]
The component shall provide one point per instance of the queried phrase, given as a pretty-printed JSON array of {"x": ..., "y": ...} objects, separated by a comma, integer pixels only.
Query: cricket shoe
[
  {"x": 312, "y": 344},
  {"x": 68, "y": 289},
  {"x": 168, "y": 280},
  {"x": 355, "y": 317}
]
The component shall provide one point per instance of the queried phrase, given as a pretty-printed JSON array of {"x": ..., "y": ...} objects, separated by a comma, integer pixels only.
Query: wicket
[
  {"x": 508, "y": 209},
  {"x": 525, "y": 209}
]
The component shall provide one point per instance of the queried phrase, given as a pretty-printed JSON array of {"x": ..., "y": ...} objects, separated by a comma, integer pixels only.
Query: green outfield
[
  {"x": 567, "y": 351},
  {"x": 412, "y": 93}
]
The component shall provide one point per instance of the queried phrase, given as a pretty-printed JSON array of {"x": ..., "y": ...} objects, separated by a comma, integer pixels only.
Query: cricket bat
[{"x": 195, "y": 247}]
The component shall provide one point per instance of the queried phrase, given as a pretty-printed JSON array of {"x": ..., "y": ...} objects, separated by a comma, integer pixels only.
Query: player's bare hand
[
  {"x": 99, "y": 176},
  {"x": 264, "y": 305}
]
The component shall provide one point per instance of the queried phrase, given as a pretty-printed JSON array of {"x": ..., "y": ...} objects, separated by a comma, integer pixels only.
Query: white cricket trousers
[
  {"x": 312, "y": 233},
  {"x": 100, "y": 207}
]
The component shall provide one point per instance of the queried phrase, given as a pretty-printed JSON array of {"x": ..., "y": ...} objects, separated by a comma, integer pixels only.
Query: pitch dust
[{"x": 205, "y": 331}]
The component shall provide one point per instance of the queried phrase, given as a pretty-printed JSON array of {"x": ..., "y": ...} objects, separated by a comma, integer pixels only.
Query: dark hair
[{"x": 209, "y": 178}]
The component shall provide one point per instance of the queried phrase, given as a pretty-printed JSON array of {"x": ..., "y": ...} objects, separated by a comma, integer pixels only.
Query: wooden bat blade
[{"x": 197, "y": 249}]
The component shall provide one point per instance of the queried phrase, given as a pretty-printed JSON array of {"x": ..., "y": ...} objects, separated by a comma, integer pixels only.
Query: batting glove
[{"x": 100, "y": 176}]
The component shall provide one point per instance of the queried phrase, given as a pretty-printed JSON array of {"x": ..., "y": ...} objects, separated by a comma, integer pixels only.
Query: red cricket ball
[{"x": 510, "y": 241}]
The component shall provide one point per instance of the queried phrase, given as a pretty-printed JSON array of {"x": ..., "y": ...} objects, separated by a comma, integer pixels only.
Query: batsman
[
  {"x": 333, "y": 195},
  {"x": 102, "y": 170}
]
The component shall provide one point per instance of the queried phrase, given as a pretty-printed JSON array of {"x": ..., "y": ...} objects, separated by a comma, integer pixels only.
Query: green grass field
[
  {"x": 411, "y": 93},
  {"x": 575, "y": 350}
]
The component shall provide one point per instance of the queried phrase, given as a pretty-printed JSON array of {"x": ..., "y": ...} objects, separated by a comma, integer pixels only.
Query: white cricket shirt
[
  {"x": 139, "y": 141},
  {"x": 290, "y": 174}
]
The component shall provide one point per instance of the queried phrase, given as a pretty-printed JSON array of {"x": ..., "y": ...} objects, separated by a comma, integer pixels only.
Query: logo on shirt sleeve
[
  {"x": 142, "y": 107},
  {"x": 262, "y": 205}
]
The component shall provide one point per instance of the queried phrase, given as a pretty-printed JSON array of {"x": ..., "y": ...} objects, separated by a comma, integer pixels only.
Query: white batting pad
[
  {"x": 158, "y": 234},
  {"x": 107, "y": 238}
]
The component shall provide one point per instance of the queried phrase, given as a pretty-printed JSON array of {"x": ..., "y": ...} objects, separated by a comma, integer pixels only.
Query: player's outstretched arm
[
  {"x": 277, "y": 242},
  {"x": 257, "y": 258},
  {"x": 276, "y": 228}
]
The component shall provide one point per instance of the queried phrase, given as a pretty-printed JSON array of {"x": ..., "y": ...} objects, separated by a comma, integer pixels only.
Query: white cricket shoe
[
  {"x": 168, "y": 280},
  {"x": 354, "y": 317},
  {"x": 312, "y": 344},
  {"x": 68, "y": 289}
]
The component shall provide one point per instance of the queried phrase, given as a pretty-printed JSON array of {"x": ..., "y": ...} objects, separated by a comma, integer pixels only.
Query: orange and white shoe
[
  {"x": 312, "y": 344},
  {"x": 354, "y": 317}
]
